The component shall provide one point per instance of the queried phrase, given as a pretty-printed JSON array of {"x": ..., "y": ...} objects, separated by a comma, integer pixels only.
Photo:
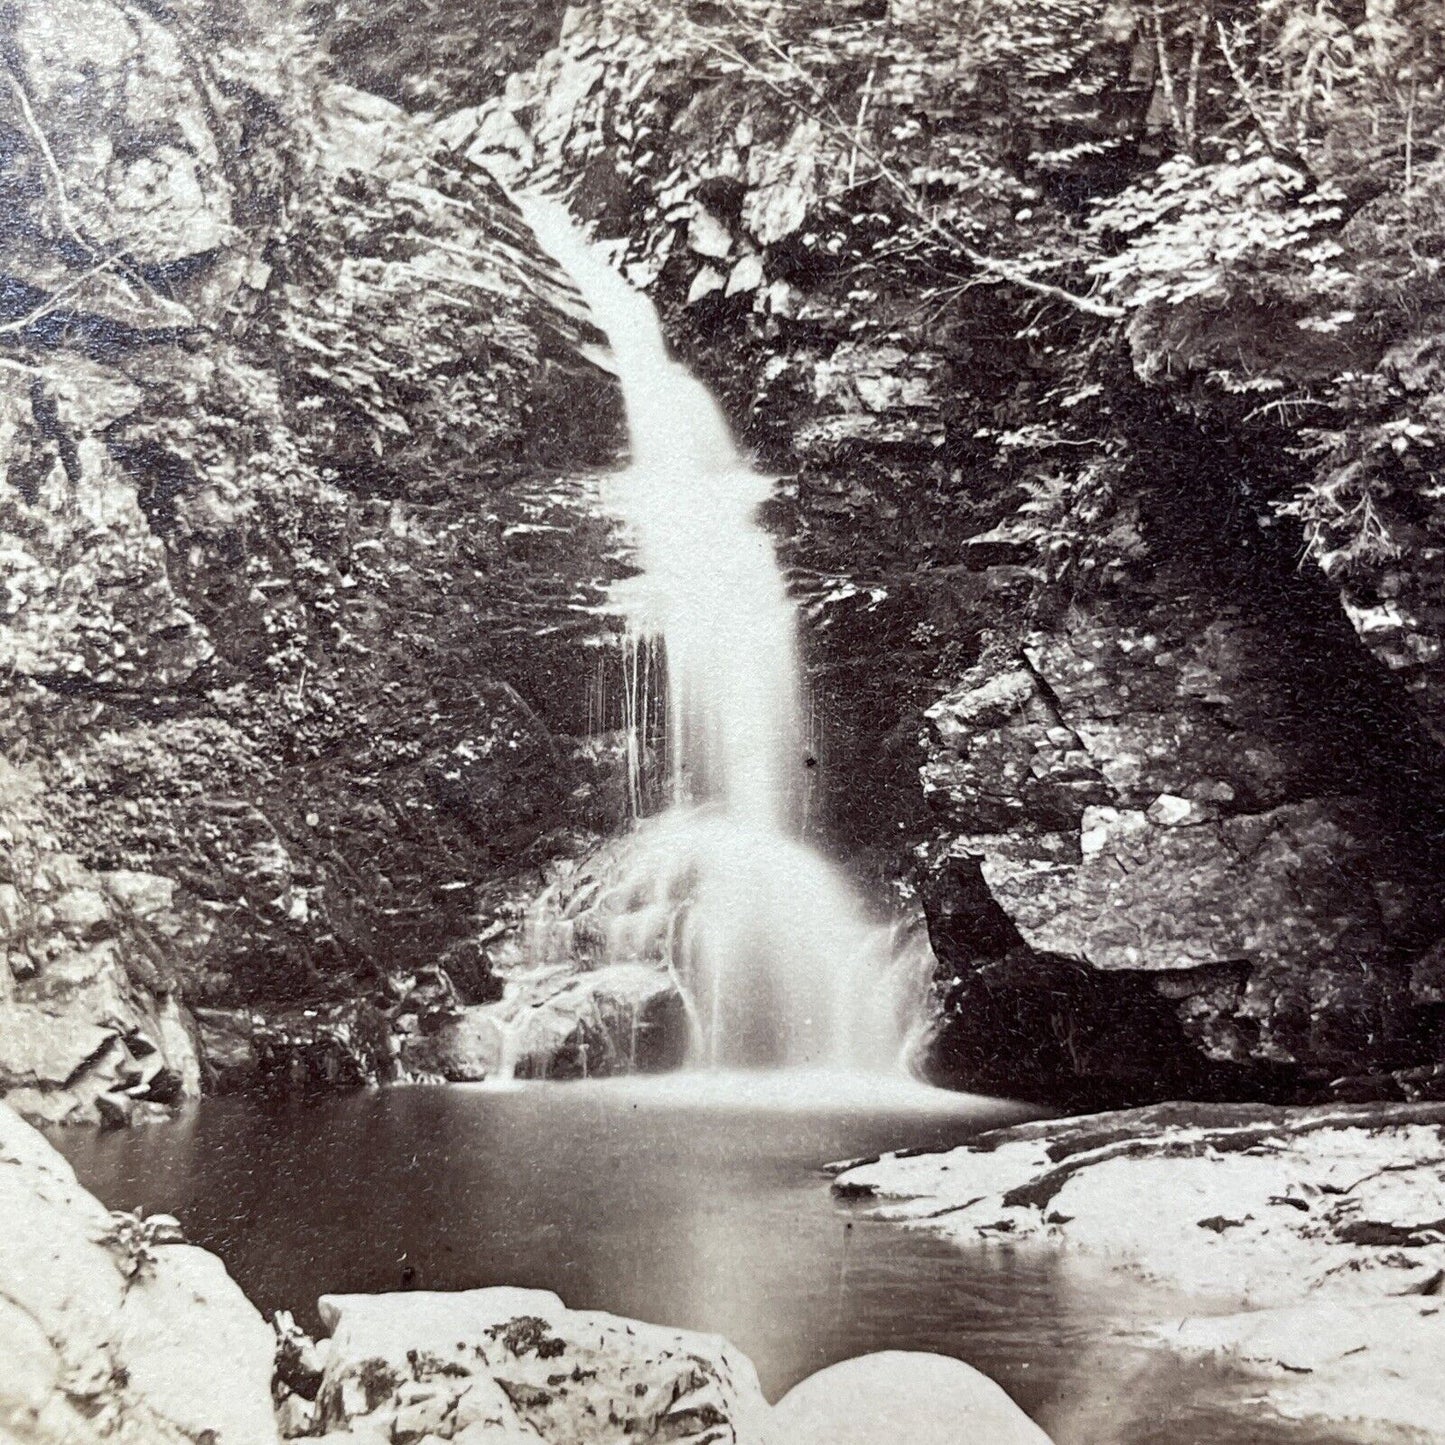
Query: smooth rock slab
[
  {"x": 896, "y": 1396},
  {"x": 90, "y": 1346},
  {"x": 1319, "y": 1233},
  {"x": 1373, "y": 1364}
]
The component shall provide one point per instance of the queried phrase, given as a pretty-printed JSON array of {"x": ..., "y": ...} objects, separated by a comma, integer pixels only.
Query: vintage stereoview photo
[{"x": 722, "y": 722}]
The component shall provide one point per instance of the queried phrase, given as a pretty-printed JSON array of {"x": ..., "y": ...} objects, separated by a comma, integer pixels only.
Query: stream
[{"x": 691, "y": 1200}]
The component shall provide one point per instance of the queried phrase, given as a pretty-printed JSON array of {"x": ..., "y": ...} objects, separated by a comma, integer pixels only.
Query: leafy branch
[{"x": 852, "y": 140}]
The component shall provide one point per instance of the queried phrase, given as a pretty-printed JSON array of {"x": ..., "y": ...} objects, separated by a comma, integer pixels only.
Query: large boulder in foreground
[
  {"x": 110, "y": 1327},
  {"x": 489, "y": 1366},
  {"x": 866, "y": 1401},
  {"x": 494, "y": 1365}
]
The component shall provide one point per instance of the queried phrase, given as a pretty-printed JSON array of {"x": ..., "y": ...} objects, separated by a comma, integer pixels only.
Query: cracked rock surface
[{"x": 1312, "y": 1241}]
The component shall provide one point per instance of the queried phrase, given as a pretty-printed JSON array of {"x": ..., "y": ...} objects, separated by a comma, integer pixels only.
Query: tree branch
[
  {"x": 1272, "y": 143},
  {"x": 994, "y": 266},
  {"x": 62, "y": 198}
]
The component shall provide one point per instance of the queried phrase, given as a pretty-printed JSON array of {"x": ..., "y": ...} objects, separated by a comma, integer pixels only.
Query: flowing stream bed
[{"x": 689, "y": 1200}]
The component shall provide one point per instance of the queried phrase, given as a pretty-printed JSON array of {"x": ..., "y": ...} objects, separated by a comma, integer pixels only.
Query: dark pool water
[{"x": 670, "y": 1202}]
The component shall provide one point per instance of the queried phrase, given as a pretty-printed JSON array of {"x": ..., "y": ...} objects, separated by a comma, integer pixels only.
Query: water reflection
[{"x": 669, "y": 1205}]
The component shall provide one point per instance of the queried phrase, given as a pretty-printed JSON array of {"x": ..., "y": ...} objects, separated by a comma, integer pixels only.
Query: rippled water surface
[{"x": 674, "y": 1200}]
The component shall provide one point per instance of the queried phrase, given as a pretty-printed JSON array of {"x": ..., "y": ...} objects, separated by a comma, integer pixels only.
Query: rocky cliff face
[
  {"x": 1173, "y": 824},
  {"x": 292, "y": 567},
  {"x": 295, "y": 566}
]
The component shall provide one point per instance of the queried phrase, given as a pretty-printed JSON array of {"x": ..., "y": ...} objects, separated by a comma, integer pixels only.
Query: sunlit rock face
[
  {"x": 126, "y": 1330},
  {"x": 1312, "y": 1232},
  {"x": 91, "y": 1022}
]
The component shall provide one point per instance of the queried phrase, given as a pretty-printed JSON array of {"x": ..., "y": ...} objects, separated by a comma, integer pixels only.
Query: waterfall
[{"x": 773, "y": 952}]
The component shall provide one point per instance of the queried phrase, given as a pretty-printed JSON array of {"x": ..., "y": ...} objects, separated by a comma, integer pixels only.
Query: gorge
[{"x": 610, "y": 611}]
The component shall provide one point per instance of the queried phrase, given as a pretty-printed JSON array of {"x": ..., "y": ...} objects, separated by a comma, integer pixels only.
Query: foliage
[
  {"x": 428, "y": 54},
  {"x": 1248, "y": 191},
  {"x": 134, "y": 1238}
]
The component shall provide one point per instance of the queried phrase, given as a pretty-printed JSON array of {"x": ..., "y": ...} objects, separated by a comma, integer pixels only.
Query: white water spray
[{"x": 773, "y": 952}]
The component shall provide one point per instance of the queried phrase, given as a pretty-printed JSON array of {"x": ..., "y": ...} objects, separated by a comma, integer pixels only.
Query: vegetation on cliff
[
  {"x": 1079, "y": 334},
  {"x": 290, "y": 568},
  {"x": 1094, "y": 344}
]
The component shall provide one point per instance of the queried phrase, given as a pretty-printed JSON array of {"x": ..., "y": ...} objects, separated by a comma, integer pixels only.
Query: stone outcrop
[
  {"x": 504, "y": 1364},
  {"x": 111, "y": 1327},
  {"x": 557, "y": 1023},
  {"x": 1314, "y": 1235},
  {"x": 516, "y": 1364},
  {"x": 91, "y": 1022},
  {"x": 856, "y": 1403},
  {"x": 293, "y": 594},
  {"x": 1144, "y": 792}
]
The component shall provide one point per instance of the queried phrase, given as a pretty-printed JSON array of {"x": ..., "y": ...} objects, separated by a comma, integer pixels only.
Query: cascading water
[{"x": 774, "y": 955}]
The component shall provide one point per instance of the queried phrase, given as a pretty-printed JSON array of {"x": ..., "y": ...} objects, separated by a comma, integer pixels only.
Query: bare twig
[
  {"x": 1166, "y": 77},
  {"x": 53, "y": 301},
  {"x": 1196, "y": 66},
  {"x": 62, "y": 198},
  {"x": 858, "y": 124},
  {"x": 1267, "y": 133}
]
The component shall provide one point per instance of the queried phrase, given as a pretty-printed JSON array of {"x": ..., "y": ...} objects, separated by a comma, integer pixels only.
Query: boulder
[
  {"x": 318, "y": 1050},
  {"x": 1141, "y": 823},
  {"x": 515, "y": 1364},
  {"x": 611, "y": 1020},
  {"x": 123, "y": 1331},
  {"x": 466, "y": 1049},
  {"x": 898, "y": 1395},
  {"x": 88, "y": 1029},
  {"x": 228, "y": 1053}
]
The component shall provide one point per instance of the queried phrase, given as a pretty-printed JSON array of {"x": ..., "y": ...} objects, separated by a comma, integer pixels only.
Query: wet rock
[
  {"x": 611, "y": 1020},
  {"x": 926, "y": 1399},
  {"x": 1143, "y": 795},
  {"x": 116, "y": 1111},
  {"x": 468, "y": 1048},
  {"x": 468, "y": 965},
  {"x": 1320, "y": 1226},
  {"x": 228, "y": 1053},
  {"x": 322, "y": 1049},
  {"x": 295, "y": 1417},
  {"x": 122, "y": 1332},
  {"x": 299, "y": 1362}
]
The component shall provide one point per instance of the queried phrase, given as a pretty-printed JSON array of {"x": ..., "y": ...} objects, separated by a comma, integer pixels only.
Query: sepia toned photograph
[{"x": 722, "y": 722}]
